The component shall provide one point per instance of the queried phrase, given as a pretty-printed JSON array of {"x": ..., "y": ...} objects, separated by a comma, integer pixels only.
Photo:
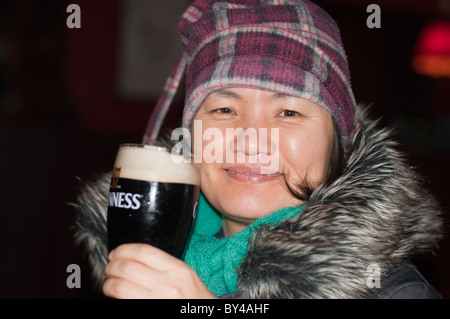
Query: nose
[
  {"x": 246, "y": 141},
  {"x": 256, "y": 143}
]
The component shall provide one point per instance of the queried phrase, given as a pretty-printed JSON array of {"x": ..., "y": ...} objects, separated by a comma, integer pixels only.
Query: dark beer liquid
[{"x": 159, "y": 214}]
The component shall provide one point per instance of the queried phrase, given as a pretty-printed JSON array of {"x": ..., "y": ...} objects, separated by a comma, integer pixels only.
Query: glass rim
[{"x": 146, "y": 146}]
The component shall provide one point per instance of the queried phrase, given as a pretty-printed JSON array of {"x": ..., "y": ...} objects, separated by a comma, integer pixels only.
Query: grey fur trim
[
  {"x": 91, "y": 226},
  {"x": 378, "y": 212}
]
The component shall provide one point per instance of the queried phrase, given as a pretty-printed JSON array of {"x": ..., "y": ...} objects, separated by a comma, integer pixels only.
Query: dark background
[{"x": 62, "y": 118}]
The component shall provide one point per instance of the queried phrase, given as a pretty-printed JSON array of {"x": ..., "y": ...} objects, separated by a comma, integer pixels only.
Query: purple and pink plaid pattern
[{"x": 285, "y": 46}]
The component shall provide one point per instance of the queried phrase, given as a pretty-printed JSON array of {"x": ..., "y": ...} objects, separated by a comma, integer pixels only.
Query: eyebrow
[
  {"x": 227, "y": 93},
  {"x": 281, "y": 95}
]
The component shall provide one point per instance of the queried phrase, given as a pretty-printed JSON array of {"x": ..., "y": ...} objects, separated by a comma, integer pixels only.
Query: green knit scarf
[{"x": 215, "y": 259}]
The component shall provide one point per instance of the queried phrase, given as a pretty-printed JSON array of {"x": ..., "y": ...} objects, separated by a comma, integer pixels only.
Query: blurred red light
[{"x": 432, "y": 51}]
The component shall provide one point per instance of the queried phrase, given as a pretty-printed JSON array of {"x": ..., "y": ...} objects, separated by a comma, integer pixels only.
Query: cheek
[
  {"x": 306, "y": 154},
  {"x": 207, "y": 146},
  {"x": 208, "y": 143},
  {"x": 196, "y": 135}
]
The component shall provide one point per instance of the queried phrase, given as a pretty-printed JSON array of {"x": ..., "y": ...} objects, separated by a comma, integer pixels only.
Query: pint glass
[{"x": 152, "y": 199}]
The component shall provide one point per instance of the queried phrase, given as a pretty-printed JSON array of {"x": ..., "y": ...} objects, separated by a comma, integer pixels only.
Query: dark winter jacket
[{"x": 371, "y": 221}]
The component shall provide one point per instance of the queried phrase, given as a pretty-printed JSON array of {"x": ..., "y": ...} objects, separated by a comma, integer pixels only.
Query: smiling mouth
[{"x": 251, "y": 175}]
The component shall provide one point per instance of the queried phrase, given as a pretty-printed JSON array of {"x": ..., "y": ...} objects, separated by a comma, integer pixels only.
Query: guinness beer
[{"x": 152, "y": 199}]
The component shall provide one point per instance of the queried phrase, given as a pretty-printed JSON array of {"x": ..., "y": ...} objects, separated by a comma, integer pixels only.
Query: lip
[{"x": 250, "y": 174}]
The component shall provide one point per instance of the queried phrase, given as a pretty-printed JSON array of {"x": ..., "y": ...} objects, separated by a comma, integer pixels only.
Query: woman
[{"x": 340, "y": 215}]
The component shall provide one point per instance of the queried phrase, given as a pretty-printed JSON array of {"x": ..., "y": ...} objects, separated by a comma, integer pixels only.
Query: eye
[
  {"x": 289, "y": 113},
  {"x": 223, "y": 110}
]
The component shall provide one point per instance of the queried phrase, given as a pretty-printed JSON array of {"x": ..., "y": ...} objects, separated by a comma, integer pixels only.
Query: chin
[{"x": 250, "y": 207}]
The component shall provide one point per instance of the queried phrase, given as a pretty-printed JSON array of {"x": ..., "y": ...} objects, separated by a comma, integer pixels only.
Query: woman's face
[{"x": 242, "y": 170}]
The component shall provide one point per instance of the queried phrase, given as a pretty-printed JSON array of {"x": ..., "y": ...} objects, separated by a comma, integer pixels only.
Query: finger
[
  {"x": 147, "y": 255},
  {"x": 123, "y": 289},
  {"x": 133, "y": 271},
  {"x": 125, "y": 268}
]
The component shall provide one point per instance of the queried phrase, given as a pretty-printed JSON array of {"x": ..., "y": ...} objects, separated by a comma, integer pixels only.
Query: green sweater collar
[{"x": 216, "y": 260}]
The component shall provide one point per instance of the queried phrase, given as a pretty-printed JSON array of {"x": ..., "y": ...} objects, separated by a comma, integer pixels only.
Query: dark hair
[{"x": 336, "y": 166}]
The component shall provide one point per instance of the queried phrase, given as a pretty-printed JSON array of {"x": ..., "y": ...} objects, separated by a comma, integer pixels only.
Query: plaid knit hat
[{"x": 283, "y": 46}]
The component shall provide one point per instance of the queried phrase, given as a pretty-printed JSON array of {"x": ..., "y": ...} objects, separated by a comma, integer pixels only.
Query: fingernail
[{"x": 111, "y": 255}]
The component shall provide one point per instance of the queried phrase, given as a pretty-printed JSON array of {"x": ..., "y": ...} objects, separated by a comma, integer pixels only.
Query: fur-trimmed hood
[{"x": 377, "y": 213}]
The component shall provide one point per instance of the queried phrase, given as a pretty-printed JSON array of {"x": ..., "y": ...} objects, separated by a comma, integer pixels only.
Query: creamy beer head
[{"x": 153, "y": 163}]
